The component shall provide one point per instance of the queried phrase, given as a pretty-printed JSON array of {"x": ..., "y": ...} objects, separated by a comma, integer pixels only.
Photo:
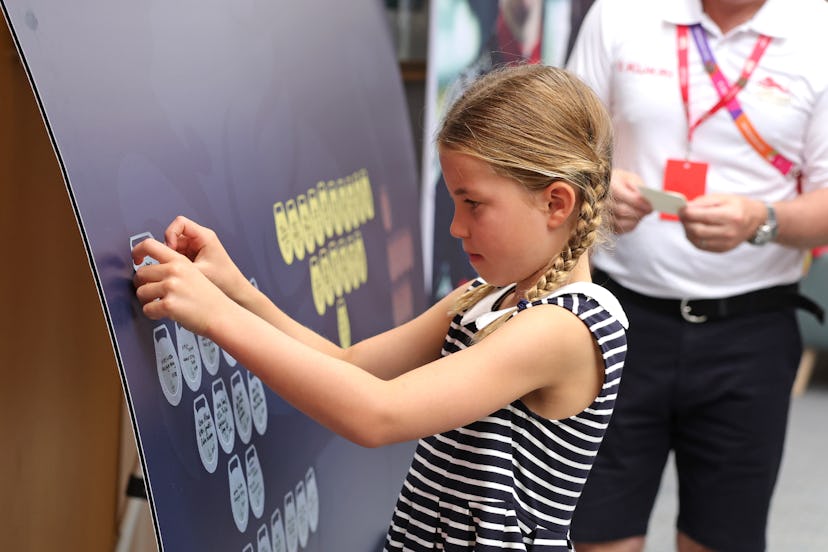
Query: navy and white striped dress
[{"x": 511, "y": 480}]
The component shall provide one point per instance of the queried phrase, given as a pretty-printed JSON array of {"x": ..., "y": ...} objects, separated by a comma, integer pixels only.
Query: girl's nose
[{"x": 458, "y": 228}]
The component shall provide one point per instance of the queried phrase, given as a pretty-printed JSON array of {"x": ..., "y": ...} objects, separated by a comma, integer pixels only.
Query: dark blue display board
[{"x": 282, "y": 126}]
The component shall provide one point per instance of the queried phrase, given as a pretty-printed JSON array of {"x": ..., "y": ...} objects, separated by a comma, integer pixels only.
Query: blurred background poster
[{"x": 467, "y": 39}]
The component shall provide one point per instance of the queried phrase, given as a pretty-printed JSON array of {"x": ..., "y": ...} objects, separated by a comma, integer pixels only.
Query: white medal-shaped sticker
[
  {"x": 313, "y": 499},
  {"x": 277, "y": 530},
  {"x": 238, "y": 493},
  {"x": 291, "y": 525},
  {"x": 241, "y": 407},
  {"x": 229, "y": 359},
  {"x": 224, "y": 416},
  {"x": 166, "y": 360},
  {"x": 135, "y": 240},
  {"x": 255, "y": 481},
  {"x": 209, "y": 354},
  {"x": 302, "y": 513},
  {"x": 258, "y": 402},
  {"x": 206, "y": 438},
  {"x": 263, "y": 539},
  {"x": 189, "y": 356}
]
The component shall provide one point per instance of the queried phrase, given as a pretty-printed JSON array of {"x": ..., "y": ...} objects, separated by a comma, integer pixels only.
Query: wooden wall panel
[{"x": 60, "y": 394}]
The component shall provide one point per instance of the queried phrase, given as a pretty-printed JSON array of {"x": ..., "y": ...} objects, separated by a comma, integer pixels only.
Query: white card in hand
[{"x": 666, "y": 202}]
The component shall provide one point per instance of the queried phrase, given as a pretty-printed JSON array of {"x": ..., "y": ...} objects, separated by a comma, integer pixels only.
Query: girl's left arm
[{"x": 437, "y": 396}]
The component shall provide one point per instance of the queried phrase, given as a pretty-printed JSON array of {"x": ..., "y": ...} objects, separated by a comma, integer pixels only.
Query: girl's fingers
[{"x": 149, "y": 292}]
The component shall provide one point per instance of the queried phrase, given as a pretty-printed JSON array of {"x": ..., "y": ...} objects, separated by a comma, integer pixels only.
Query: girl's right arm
[{"x": 386, "y": 355}]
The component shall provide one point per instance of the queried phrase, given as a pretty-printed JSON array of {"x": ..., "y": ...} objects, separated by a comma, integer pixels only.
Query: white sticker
[
  {"x": 166, "y": 361},
  {"x": 238, "y": 493},
  {"x": 205, "y": 431},
  {"x": 135, "y": 240},
  {"x": 255, "y": 481},
  {"x": 277, "y": 529},
  {"x": 224, "y": 416},
  {"x": 247, "y": 548},
  {"x": 291, "y": 529},
  {"x": 241, "y": 407},
  {"x": 263, "y": 539},
  {"x": 302, "y": 513},
  {"x": 209, "y": 354},
  {"x": 258, "y": 402},
  {"x": 228, "y": 359},
  {"x": 313, "y": 498},
  {"x": 189, "y": 356}
]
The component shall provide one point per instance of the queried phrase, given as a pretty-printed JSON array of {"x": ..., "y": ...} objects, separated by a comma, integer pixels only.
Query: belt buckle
[{"x": 687, "y": 313}]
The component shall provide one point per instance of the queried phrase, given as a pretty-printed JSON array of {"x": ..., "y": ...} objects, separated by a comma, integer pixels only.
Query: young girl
[{"x": 508, "y": 427}]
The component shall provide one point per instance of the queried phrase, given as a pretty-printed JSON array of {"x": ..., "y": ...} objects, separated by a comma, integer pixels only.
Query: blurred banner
[
  {"x": 467, "y": 39},
  {"x": 283, "y": 127}
]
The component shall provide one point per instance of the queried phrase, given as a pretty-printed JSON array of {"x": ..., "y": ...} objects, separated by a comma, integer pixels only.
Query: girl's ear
[{"x": 561, "y": 199}]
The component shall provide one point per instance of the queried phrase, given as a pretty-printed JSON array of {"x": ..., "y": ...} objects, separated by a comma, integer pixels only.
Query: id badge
[{"x": 685, "y": 177}]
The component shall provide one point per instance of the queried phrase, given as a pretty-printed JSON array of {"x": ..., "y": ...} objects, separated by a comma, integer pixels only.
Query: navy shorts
[{"x": 717, "y": 394}]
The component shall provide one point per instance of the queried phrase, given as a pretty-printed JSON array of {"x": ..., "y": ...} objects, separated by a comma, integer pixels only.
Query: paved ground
[{"x": 799, "y": 513}]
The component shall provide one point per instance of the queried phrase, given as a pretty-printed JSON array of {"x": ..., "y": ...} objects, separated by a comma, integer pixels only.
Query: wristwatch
[{"x": 767, "y": 231}]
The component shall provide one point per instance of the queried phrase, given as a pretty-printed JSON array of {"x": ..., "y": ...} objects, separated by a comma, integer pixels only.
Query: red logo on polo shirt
[{"x": 768, "y": 82}]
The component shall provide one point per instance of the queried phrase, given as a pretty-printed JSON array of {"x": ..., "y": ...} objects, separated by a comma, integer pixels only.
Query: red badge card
[{"x": 685, "y": 177}]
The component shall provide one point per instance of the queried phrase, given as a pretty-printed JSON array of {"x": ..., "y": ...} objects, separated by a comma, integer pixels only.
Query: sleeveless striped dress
[{"x": 511, "y": 480}]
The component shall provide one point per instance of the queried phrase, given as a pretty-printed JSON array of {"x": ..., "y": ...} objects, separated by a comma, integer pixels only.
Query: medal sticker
[
  {"x": 277, "y": 530},
  {"x": 263, "y": 540},
  {"x": 241, "y": 407},
  {"x": 206, "y": 438},
  {"x": 224, "y": 417},
  {"x": 686, "y": 178},
  {"x": 258, "y": 403},
  {"x": 166, "y": 361},
  {"x": 317, "y": 285},
  {"x": 231, "y": 362},
  {"x": 295, "y": 229},
  {"x": 238, "y": 493},
  {"x": 313, "y": 499},
  {"x": 135, "y": 240},
  {"x": 255, "y": 481},
  {"x": 291, "y": 529},
  {"x": 302, "y": 513},
  {"x": 308, "y": 230},
  {"x": 283, "y": 235},
  {"x": 209, "y": 354},
  {"x": 189, "y": 356}
]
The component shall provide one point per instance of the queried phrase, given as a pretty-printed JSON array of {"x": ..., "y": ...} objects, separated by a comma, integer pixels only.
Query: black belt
[{"x": 702, "y": 310}]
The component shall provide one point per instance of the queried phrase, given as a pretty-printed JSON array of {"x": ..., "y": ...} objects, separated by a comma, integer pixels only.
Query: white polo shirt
[{"x": 627, "y": 52}]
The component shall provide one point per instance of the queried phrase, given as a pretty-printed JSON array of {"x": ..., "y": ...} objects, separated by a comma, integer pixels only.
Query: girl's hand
[
  {"x": 202, "y": 246},
  {"x": 628, "y": 206},
  {"x": 175, "y": 288}
]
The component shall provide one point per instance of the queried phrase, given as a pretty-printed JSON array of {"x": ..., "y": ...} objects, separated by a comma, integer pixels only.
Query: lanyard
[{"x": 727, "y": 92}]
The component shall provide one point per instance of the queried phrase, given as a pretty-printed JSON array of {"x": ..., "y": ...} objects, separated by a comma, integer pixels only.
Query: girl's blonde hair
[{"x": 537, "y": 124}]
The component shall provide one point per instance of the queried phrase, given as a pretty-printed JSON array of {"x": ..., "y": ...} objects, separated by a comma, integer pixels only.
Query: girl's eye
[{"x": 472, "y": 203}]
